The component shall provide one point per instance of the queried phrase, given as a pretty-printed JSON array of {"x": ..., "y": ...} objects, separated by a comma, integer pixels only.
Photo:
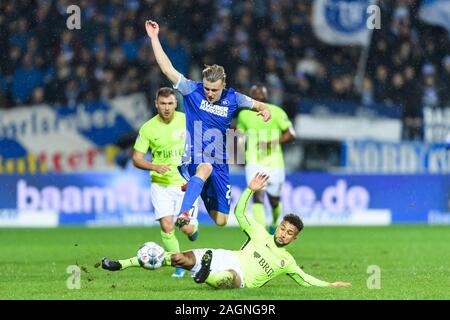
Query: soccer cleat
[
  {"x": 183, "y": 219},
  {"x": 272, "y": 229},
  {"x": 179, "y": 273},
  {"x": 184, "y": 187},
  {"x": 111, "y": 265},
  {"x": 204, "y": 271}
]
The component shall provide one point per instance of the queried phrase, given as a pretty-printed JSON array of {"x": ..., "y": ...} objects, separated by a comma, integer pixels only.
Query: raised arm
[
  {"x": 248, "y": 224},
  {"x": 164, "y": 63}
]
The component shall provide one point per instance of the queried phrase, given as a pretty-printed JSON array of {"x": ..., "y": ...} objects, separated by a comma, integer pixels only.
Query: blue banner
[
  {"x": 364, "y": 156},
  {"x": 341, "y": 22},
  {"x": 123, "y": 198},
  {"x": 41, "y": 139},
  {"x": 436, "y": 12}
]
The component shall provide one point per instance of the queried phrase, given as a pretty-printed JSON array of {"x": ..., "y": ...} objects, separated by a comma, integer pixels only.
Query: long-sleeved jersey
[{"x": 260, "y": 258}]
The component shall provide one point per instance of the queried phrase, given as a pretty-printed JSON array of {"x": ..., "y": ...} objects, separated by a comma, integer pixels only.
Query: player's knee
[
  {"x": 205, "y": 170},
  {"x": 166, "y": 226},
  {"x": 221, "y": 221},
  {"x": 236, "y": 282}
]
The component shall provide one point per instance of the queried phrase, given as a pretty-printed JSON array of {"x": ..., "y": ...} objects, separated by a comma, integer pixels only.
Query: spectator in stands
[
  {"x": 25, "y": 79},
  {"x": 19, "y": 34},
  {"x": 177, "y": 52},
  {"x": 367, "y": 95},
  {"x": 130, "y": 44},
  {"x": 272, "y": 42},
  {"x": 381, "y": 83},
  {"x": 38, "y": 96},
  {"x": 430, "y": 92}
]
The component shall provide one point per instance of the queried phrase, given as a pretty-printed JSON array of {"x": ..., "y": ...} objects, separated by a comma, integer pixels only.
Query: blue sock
[{"x": 193, "y": 190}]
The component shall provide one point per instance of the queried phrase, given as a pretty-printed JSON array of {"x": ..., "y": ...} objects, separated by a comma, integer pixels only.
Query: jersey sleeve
[
  {"x": 283, "y": 120},
  {"x": 304, "y": 279},
  {"x": 249, "y": 225},
  {"x": 142, "y": 143},
  {"x": 185, "y": 86},
  {"x": 244, "y": 101}
]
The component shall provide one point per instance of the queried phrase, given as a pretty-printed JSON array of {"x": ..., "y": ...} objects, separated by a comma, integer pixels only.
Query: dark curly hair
[{"x": 294, "y": 220}]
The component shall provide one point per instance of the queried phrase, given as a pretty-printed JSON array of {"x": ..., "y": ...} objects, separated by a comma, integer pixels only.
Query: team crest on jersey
[{"x": 225, "y": 102}]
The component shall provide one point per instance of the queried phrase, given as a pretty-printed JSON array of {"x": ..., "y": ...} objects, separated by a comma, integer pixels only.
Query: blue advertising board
[
  {"x": 366, "y": 156},
  {"x": 123, "y": 198}
]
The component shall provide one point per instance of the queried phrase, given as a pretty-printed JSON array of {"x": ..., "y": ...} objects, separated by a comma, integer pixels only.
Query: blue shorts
[{"x": 216, "y": 193}]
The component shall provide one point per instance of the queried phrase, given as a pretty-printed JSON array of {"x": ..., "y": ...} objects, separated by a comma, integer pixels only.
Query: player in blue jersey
[{"x": 209, "y": 109}]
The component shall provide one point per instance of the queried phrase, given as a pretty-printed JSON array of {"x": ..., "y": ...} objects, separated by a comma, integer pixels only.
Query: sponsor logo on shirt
[
  {"x": 214, "y": 109},
  {"x": 263, "y": 263},
  {"x": 169, "y": 153}
]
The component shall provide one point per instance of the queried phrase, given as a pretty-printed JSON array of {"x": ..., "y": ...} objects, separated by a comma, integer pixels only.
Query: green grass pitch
[{"x": 414, "y": 262}]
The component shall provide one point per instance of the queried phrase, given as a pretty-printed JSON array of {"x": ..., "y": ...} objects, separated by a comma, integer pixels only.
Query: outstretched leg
[
  {"x": 193, "y": 191},
  {"x": 185, "y": 260}
]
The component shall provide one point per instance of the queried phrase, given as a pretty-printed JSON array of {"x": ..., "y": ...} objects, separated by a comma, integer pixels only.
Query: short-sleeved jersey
[
  {"x": 207, "y": 123},
  {"x": 258, "y": 131},
  {"x": 166, "y": 142},
  {"x": 260, "y": 258}
]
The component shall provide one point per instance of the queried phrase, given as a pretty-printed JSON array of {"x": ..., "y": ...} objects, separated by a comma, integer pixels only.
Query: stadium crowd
[{"x": 269, "y": 41}]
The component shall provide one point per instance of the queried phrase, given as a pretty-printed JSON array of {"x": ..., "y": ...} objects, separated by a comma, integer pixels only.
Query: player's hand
[
  {"x": 152, "y": 28},
  {"x": 258, "y": 182},
  {"x": 340, "y": 284},
  {"x": 265, "y": 114},
  {"x": 162, "y": 168}
]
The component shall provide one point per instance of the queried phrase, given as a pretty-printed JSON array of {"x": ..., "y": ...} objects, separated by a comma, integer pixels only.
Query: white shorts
[
  {"x": 167, "y": 200},
  {"x": 221, "y": 260},
  {"x": 276, "y": 177}
]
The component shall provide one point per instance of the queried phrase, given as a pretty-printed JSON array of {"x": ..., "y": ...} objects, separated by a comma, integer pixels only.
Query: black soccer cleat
[
  {"x": 204, "y": 271},
  {"x": 111, "y": 265}
]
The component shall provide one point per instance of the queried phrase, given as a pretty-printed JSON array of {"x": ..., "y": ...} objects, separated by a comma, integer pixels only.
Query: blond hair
[{"x": 214, "y": 73}]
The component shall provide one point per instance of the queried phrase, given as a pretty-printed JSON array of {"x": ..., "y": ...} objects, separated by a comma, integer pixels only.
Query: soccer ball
[{"x": 150, "y": 255}]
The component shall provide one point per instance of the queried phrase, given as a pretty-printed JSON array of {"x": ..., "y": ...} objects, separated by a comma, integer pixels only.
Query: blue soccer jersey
[
  {"x": 206, "y": 130},
  {"x": 207, "y": 123}
]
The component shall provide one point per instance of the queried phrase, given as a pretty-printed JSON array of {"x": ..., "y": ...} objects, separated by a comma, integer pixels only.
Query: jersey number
[{"x": 228, "y": 195}]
